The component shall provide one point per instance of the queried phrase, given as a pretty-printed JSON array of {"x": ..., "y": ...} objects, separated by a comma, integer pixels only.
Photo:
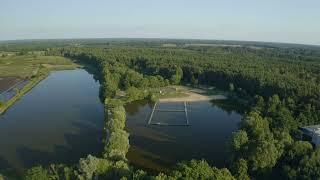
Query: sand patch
[{"x": 192, "y": 95}]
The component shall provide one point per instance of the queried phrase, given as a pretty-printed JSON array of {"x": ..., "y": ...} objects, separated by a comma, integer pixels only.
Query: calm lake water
[
  {"x": 158, "y": 148},
  {"x": 58, "y": 121}
]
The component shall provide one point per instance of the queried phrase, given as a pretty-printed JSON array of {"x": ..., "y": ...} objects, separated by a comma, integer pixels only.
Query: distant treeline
[{"x": 43, "y": 44}]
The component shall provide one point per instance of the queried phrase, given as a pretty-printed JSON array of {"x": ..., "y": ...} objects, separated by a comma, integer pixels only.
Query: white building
[{"x": 313, "y": 132}]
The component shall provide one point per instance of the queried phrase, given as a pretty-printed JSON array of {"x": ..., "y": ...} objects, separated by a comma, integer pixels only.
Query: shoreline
[{"x": 31, "y": 84}]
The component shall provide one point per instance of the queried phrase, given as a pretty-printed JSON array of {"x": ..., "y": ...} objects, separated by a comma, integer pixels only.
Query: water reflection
[
  {"x": 58, "y": 121},
  {"x": 157, "y": 148}
]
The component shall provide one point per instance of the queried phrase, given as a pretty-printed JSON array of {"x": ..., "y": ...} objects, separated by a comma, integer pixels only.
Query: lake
[
  {"x": 158, "y": 148},
  {"x": 58, "y": 121}
]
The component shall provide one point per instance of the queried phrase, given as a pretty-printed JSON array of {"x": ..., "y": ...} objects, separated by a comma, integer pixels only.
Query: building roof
[{"x": 312, "y": 130}]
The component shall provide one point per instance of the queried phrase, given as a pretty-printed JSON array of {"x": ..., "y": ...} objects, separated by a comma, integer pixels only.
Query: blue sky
[{"x": 295, "y": 21}]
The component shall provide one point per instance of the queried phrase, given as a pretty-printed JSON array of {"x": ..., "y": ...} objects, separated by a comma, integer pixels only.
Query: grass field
[
  {"x": 28, "y": 65},
  {"x": 34, "y": 68}
]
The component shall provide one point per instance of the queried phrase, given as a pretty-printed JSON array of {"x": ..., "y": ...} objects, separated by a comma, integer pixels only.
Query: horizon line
[{"x": 162, "y": 38}]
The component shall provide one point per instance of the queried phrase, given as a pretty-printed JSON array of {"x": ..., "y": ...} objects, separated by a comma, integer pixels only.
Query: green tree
[
  {"x": 134, "y": 93},
  {"x": 282, "y": 119},
  {"x": 194, "y": 81},
  {"x": 297, "y": 159},
  {"x": 283, "y": 140},
  {"x": 239, "y": 139},
  {"x": 132, "y": 78},
  {"x": 61, "y": 171},
  {"x": 140, "y": 175},
  {"x": 117, "y": 145},
  {"x": 240, "y": 170},
  {"x": 262, "y": 153},
  {"x": 310, "y": 166},
  {"x": 231, "y": 87},
  {"x": 116, "y": 118},
  {"x": 259, "y": 104},
  {"x": 120, "y": 170},
  {"x": 273, "y": 103},
  {"x": 177, "y": 76},
  {"x": 37, "y": 173},
  {"x": 196, "y": 169},
  {"x": 92, "y": 166}
]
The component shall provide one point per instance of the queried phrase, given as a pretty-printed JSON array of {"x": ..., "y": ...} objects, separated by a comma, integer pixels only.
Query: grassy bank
[
  {"x": 32, "y": 68},
  {"x": 27, "y": 66},
  {"x": 32, "y": 82}
]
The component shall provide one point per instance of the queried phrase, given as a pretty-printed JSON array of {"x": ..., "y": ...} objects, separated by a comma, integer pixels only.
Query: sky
[{"x": 292, "y": 21}]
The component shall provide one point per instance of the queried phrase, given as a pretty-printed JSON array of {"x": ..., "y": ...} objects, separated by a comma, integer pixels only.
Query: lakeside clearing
[{"x": 190, "y": 94}]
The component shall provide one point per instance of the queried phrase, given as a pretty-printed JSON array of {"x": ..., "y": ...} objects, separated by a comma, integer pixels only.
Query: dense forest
[{"x": 281, "y": 83}]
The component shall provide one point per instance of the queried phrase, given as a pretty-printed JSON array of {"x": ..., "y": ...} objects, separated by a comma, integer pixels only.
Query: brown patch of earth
[{"x": 7, "y": 82}]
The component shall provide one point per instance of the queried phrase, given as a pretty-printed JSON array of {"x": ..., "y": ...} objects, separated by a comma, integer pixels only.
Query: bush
[
  {"x": 120, "y": 170},
  {"x": 240, "y": 169},
  {"x": 61, "y": 171},
  {"x": 200, "y": 169},
  {"x": 117, "y": 145},
  {"x": 116, "y": 118},
  {"x": 91, "y": 166},
  {"x": 134, "y": 93},
  {"x": 37, "y": 173},
  {"x": 141, "y": 175},
  {"x": 153, "y": 97}
]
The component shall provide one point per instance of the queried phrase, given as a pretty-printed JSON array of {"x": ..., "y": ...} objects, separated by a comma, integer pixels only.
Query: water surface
[
  {"x": 11, "y": 92},
  {"x": 158, "y": 148},
  {"x": 58, "y": 121}
]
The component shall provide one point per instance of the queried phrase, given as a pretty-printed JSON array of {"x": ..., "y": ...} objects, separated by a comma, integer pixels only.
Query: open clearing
[
  {"x": 14, "y": 69},
  {"x": 20, "y": 73},
  {"x": 188, "y": 94},
  {"x": 27, "y": 65}
]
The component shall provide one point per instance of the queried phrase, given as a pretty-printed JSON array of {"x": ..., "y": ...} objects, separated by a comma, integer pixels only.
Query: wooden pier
[
  {"x": 185, "y": 110},
  {"x": 154, "y": 107},
  {"x": 170, "y": 110}
]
